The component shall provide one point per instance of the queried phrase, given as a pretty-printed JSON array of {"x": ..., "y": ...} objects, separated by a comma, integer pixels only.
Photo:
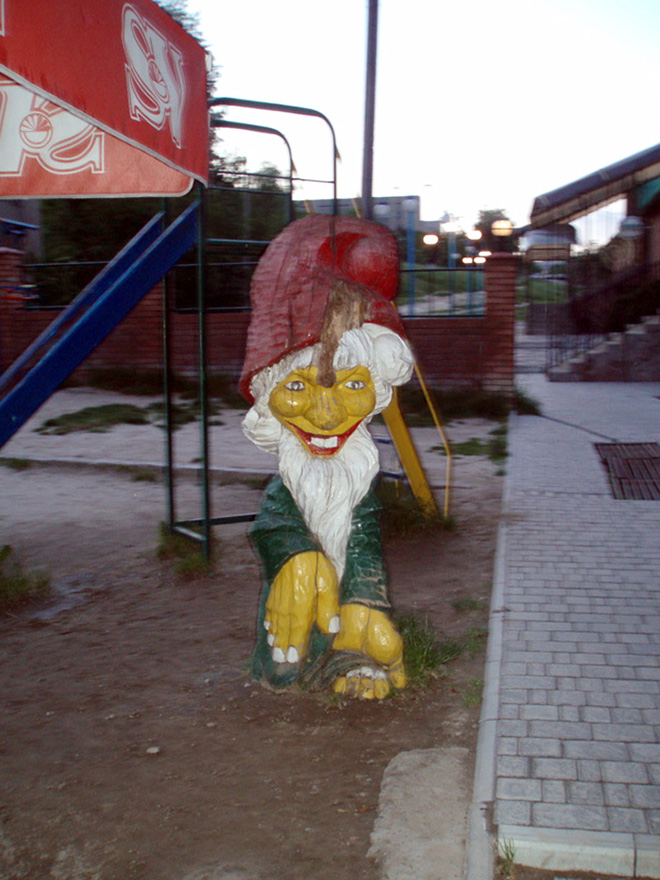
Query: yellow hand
[
  {"x": 304, "y": 592},
  {"x": 372, "y": 633}
]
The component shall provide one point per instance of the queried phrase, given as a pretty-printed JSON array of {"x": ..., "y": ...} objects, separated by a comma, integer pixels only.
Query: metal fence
[{"x": 424, "y": 291}]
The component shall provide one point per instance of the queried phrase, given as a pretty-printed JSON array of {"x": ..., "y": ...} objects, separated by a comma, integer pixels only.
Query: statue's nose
[{"x": 325, "y": 411}]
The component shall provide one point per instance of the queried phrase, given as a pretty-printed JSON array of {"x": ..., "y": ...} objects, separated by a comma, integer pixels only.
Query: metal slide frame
[{"x": 199, "y": 529}]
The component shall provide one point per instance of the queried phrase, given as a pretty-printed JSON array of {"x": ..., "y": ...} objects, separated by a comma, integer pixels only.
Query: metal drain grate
[{"x": 633, "y": 469}]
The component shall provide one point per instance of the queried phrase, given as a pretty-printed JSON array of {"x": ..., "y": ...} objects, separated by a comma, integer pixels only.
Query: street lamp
[
  {"x": 631, "y": 228},
  {"x": 501, "y": 229}
]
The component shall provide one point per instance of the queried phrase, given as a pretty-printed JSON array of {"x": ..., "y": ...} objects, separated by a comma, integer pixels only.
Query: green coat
[{"x": 280, "y": 532}]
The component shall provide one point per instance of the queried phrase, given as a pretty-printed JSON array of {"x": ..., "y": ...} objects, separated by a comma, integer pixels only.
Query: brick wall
[{"x": 453, "y": 352}]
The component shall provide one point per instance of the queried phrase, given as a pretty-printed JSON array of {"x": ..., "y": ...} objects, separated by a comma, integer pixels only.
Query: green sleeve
[
  {"x": 279, "y": 531},
  {"x": 365, "y": 578}
]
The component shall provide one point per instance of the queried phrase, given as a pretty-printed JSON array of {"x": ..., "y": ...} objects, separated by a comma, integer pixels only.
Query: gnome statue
[{"x": 325, "y": 348}]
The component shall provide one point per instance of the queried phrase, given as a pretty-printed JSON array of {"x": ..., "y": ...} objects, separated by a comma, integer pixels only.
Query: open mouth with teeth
[{"x": 323, "y": 444}]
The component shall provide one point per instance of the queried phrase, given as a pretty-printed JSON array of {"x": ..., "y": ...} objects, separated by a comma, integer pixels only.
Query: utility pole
[{"x": 369, "y": 112}]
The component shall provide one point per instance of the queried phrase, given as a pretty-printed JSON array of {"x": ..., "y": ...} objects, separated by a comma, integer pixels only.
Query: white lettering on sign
[
  {"x": 33, "y": 127},
  {"x": 154, "y": 73}
]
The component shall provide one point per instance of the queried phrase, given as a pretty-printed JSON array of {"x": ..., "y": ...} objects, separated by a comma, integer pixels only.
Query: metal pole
[
  {"x": 203, "y": 392},
  {"x": 410, "y": 254},
  {"x": 369, "y": 112},
  {"x": 167, "y": 379}
]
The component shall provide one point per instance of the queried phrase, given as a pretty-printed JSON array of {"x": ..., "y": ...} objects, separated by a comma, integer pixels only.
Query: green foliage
[
  {"x": 81, "y": 235},
  {"x": 489, "y": 241},
  {"x": 633, "y": 304},
  {"x": 18, "y": 587},
  {"x": 85, "y": 234}
]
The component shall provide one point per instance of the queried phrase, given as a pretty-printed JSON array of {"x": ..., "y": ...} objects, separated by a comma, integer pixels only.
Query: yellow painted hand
[
  {"x": 305, "y": 592},
  {"x": 371, "y": 633}
]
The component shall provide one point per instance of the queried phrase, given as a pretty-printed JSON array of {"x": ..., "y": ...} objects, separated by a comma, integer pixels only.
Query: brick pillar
[
  {"x": 11, "y": 275},
  {"x": 501, "y": 271}
]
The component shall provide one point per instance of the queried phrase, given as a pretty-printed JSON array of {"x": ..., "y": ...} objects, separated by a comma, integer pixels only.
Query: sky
[{"x": 479, "y": 105}]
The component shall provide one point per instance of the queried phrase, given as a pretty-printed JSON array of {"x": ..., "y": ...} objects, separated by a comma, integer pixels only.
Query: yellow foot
[
  {"x": 364, "y": 683},
  {"x": 371, "y": 633}
]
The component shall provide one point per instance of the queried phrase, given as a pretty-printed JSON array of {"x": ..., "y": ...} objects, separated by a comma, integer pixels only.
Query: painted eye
[
  {"x": 355, "y": 384},
  {"x": 296, "y": 385}
]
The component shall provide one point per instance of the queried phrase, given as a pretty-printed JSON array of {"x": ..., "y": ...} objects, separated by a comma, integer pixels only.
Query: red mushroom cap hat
[{"x": 322, "y": 275}]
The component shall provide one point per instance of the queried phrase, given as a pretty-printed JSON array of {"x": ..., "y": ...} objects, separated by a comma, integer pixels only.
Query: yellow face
[{"x": 323, "y": 418}]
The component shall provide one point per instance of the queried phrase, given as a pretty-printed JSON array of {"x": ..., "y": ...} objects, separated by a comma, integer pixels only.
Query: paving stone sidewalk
[{"x": 571, "y": 720}]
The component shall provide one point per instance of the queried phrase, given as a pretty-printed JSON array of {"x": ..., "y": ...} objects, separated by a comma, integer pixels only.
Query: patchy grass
[
  {"x": 464, "y": 404},
  {"x": 18, "y": 587},
  {"x": 451, "y": 405},
  {"x": 467, "y": 604},
  {"x": 182, "y": 413},
  {"x": 473, "y": 692},
  {"x": 402, "y": 514},
  {"x": 525, "y": 405},
  {"x": 16, "y": 464},
  {"x": 98, "y": 419},
  {"x": 474, "y": 640},
  {"x": 190, "y": 562},
  {"x": 506, "y": 860},
  {"x": 95, "y": 419},
  {"x": 494, "y": 447},
  {"x": 150, "y": 382},
  {"x": 145, "y": 475},
  {"x": 424, "y": 654}
]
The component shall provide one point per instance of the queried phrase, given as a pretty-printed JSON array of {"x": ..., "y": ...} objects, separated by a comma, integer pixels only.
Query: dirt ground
[{"x": 134, "y": 745}]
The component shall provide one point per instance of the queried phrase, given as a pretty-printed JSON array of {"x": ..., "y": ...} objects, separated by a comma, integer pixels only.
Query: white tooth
[{"x": 326, "y": 442}]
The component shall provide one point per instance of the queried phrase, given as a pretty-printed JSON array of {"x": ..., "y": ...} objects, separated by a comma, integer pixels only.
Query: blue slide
[{"x": 92, "y": 316}]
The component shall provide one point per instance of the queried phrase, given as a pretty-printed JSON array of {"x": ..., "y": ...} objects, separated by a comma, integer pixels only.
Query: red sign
[{"x": 101, "y": 97}]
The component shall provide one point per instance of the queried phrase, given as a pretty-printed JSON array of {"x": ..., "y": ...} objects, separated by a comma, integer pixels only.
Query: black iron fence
[{"x": 424, "y": 291}]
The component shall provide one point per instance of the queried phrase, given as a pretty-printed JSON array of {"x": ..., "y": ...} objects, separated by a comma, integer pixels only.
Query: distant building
[{"x": 392, "y": 211}]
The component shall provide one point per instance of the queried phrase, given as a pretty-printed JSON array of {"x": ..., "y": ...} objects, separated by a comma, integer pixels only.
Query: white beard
[{"x": 327, "y": 488}]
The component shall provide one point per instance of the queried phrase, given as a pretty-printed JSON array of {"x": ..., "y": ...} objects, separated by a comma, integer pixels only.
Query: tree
[{"x": 485, "y": 225}]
